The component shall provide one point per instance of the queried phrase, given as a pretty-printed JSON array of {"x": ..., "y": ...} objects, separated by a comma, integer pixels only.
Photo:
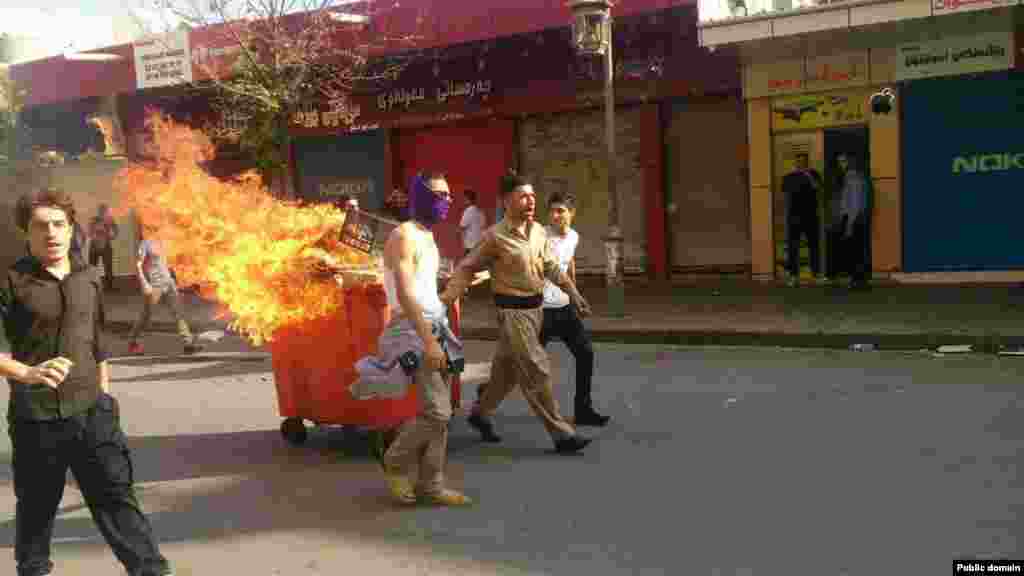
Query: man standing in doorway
[
  {"x": 854, "y": 220},
  {"x": 517, "y": 253},
  {"x": 102, "y": 233},
  {"x": 800, "y": 188},
  {"x": 61, "y": 412},
  {"x": 561, "y": 319},
  {"x": 472, "y": 223}
]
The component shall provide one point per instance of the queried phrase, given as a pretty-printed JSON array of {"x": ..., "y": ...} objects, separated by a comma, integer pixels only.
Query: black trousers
[
  {"x": 564, "y": 324},
  {"x": 857, "y": 247},
  {"x": 806, "y": 225},
  {"x": 849, "y": 254},
  {"x": 94, "y": 447},
  {"x": 107, "y": 255}
]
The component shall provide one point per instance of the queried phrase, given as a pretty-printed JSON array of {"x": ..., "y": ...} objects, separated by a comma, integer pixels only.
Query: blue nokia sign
[{"x": 963, "y": 173}]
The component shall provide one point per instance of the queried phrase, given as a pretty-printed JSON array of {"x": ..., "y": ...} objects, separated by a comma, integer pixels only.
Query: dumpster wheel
[{"x": 293, "y": 430}]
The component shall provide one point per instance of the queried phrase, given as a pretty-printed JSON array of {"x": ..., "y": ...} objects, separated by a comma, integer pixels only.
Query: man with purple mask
[{"x": 418, "y": 323}]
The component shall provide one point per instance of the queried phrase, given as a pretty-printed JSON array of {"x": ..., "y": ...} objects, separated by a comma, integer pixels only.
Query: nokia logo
[{"x": 988, "y": 162}]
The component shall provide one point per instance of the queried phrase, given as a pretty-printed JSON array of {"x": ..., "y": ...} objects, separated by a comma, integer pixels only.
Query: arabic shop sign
[
  {"x": 814, "y": 111},
  {"x": 313, "y": 118},
  {"x": 985, "y": 52},
  {"x": 405, "y": 97},
  {"x": 940, "y": 7}
]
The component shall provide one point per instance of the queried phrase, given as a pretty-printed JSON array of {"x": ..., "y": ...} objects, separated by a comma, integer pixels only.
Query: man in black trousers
[
  {"x": 800, "y": 188},
  {"x": 61, "y": 413}
]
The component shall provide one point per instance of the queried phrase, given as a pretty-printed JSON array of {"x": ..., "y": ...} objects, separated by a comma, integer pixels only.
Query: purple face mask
[{"x": 424, "y": 206}]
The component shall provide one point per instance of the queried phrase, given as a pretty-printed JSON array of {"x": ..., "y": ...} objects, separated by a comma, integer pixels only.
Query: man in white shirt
[
  {"x": 473, "y": 223},
  {"x": 561, "y": 320}
]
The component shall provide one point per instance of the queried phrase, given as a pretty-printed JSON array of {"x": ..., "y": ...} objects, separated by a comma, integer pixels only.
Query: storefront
[
  {"x": 708, "y": 209},
  {"x": 819, "y": 106},
  {"x": 327, "y": 167},
  {"x": 964, "y": 169}
]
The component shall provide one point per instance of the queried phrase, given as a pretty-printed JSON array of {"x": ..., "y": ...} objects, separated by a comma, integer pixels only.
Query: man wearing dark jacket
[
  {"x": 800, "y": 188},
  {"x": 61, "y": 413}
]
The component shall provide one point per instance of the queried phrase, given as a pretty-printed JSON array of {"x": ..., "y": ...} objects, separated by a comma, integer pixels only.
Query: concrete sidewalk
[{"x": 740, "y": 312}]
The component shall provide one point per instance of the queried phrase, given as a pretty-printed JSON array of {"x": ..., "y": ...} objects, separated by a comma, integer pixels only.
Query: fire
[{"x": 251, "y": 252}]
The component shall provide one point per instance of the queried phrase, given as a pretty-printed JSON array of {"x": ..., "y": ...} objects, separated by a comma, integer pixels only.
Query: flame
[{"x": 251, "y": 252}]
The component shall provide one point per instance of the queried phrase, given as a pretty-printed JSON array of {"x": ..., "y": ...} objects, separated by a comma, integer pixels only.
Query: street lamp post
[{"x": 592, "y": 36}]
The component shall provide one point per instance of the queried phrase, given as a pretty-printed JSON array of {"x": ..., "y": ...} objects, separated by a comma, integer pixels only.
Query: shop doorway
[
  {"x": 851, "y": 141},
  {"x": 786, "y": 147}
]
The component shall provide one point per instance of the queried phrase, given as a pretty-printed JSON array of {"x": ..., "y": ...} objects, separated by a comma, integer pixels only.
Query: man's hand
[
  {"x": 582, "y": 306},
  {"x": 52, "y": 372},
  {"x": 433, "y": 355},
  {"x": 448, "y": 296}
]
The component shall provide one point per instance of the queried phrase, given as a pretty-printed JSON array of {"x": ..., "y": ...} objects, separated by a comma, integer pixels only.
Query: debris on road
[{"x": 955, "y": 349}]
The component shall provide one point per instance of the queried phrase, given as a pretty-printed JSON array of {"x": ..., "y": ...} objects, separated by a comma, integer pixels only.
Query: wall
[
  {"x": 964, "y": 216},
  {"x": 566, "y": 153},
  {"x": 706, "y": 154}
]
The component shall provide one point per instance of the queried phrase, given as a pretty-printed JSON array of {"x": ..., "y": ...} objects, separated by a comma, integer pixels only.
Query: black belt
[{"x": 518, "y": 302}]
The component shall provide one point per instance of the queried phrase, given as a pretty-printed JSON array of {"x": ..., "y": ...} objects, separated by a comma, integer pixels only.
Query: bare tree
[{"x": 288, "y": 54}]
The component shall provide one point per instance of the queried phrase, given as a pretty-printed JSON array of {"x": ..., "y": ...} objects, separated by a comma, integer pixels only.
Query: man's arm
[
  {"x": 572, "y": 269},
  {"x": 51, "y": 373},
  {"x": 139, "y": 261},
  {"x": 480, "y": 258},
  {"x": 99, "y": 342}
]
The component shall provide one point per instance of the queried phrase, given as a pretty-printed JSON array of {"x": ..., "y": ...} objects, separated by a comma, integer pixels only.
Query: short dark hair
[
  {"x": 49, "y": 197},
  {"x": 512, "y": 180},
  {"x": 565, "y": 199},
  {"x": 471, "y": 195}
]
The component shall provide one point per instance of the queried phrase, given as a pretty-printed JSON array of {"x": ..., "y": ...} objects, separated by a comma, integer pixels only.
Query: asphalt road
[{"x": 718, "y": 461}]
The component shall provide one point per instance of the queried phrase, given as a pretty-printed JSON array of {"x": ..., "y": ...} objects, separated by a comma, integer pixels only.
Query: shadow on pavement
[
  {"x": 225, "y": 485},
  {"x": 207, "y": 367}
]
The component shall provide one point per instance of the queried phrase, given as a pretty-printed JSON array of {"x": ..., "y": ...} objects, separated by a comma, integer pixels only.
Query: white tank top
[{"x": 424, "y": 282}]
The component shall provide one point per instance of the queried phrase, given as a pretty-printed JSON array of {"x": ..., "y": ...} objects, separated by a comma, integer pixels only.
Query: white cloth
[
  {"x": 424, "y": 280},
  {"x": 472, "y": 225},
  {"x": 563, "y": 248}
]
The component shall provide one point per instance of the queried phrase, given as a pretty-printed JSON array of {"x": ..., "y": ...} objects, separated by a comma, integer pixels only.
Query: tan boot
[
  {"x": 447, "y": 497},
  {"x": 400, "y": 487}
]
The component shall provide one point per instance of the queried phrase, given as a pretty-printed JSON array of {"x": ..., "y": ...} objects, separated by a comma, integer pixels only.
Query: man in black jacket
[
  {"x": 800, "y": 188},
  {"x": 61, "y": 414}
]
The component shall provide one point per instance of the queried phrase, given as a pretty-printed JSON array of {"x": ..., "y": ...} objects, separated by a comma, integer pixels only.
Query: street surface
[{"x": 717, "y": 462}]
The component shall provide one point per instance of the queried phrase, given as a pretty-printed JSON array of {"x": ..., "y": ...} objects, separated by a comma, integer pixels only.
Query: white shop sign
[
  {"x": 163, "y": 60},
  {"x": 985, "y": 52}
]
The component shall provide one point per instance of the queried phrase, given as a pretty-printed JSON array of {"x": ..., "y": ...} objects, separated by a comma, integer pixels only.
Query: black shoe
[
  {"x": 590, "y": 418},
  {"x": 193, "y": 348},
  {"x": 572, "y": 445},
  {"x": 484, "y": 427}
]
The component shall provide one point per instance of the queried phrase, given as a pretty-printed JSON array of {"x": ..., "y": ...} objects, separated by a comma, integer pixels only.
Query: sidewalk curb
[
  {"x": 987, "y": 344},
  {"x": 981, "y": 343}
]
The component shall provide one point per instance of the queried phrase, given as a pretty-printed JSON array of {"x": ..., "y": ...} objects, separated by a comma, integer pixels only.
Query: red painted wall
[
  {"x": 472, "y": 154},
  {"x": 652, "y": 156},
  {"x": 56, "y": 79}
]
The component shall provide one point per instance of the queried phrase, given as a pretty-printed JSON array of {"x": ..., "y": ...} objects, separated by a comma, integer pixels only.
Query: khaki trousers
[
  {"x": 169, "y": 297},
  {"x": 423, "y": 440},
  {"x": 521, "y": 360}
]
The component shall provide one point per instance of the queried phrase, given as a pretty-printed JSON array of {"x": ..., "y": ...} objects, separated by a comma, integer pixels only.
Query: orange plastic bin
[{"x": 314, "y": 365}]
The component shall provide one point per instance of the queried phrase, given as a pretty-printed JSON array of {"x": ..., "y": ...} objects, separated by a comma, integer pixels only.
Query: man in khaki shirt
[{"x": 516, "y": 252}]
